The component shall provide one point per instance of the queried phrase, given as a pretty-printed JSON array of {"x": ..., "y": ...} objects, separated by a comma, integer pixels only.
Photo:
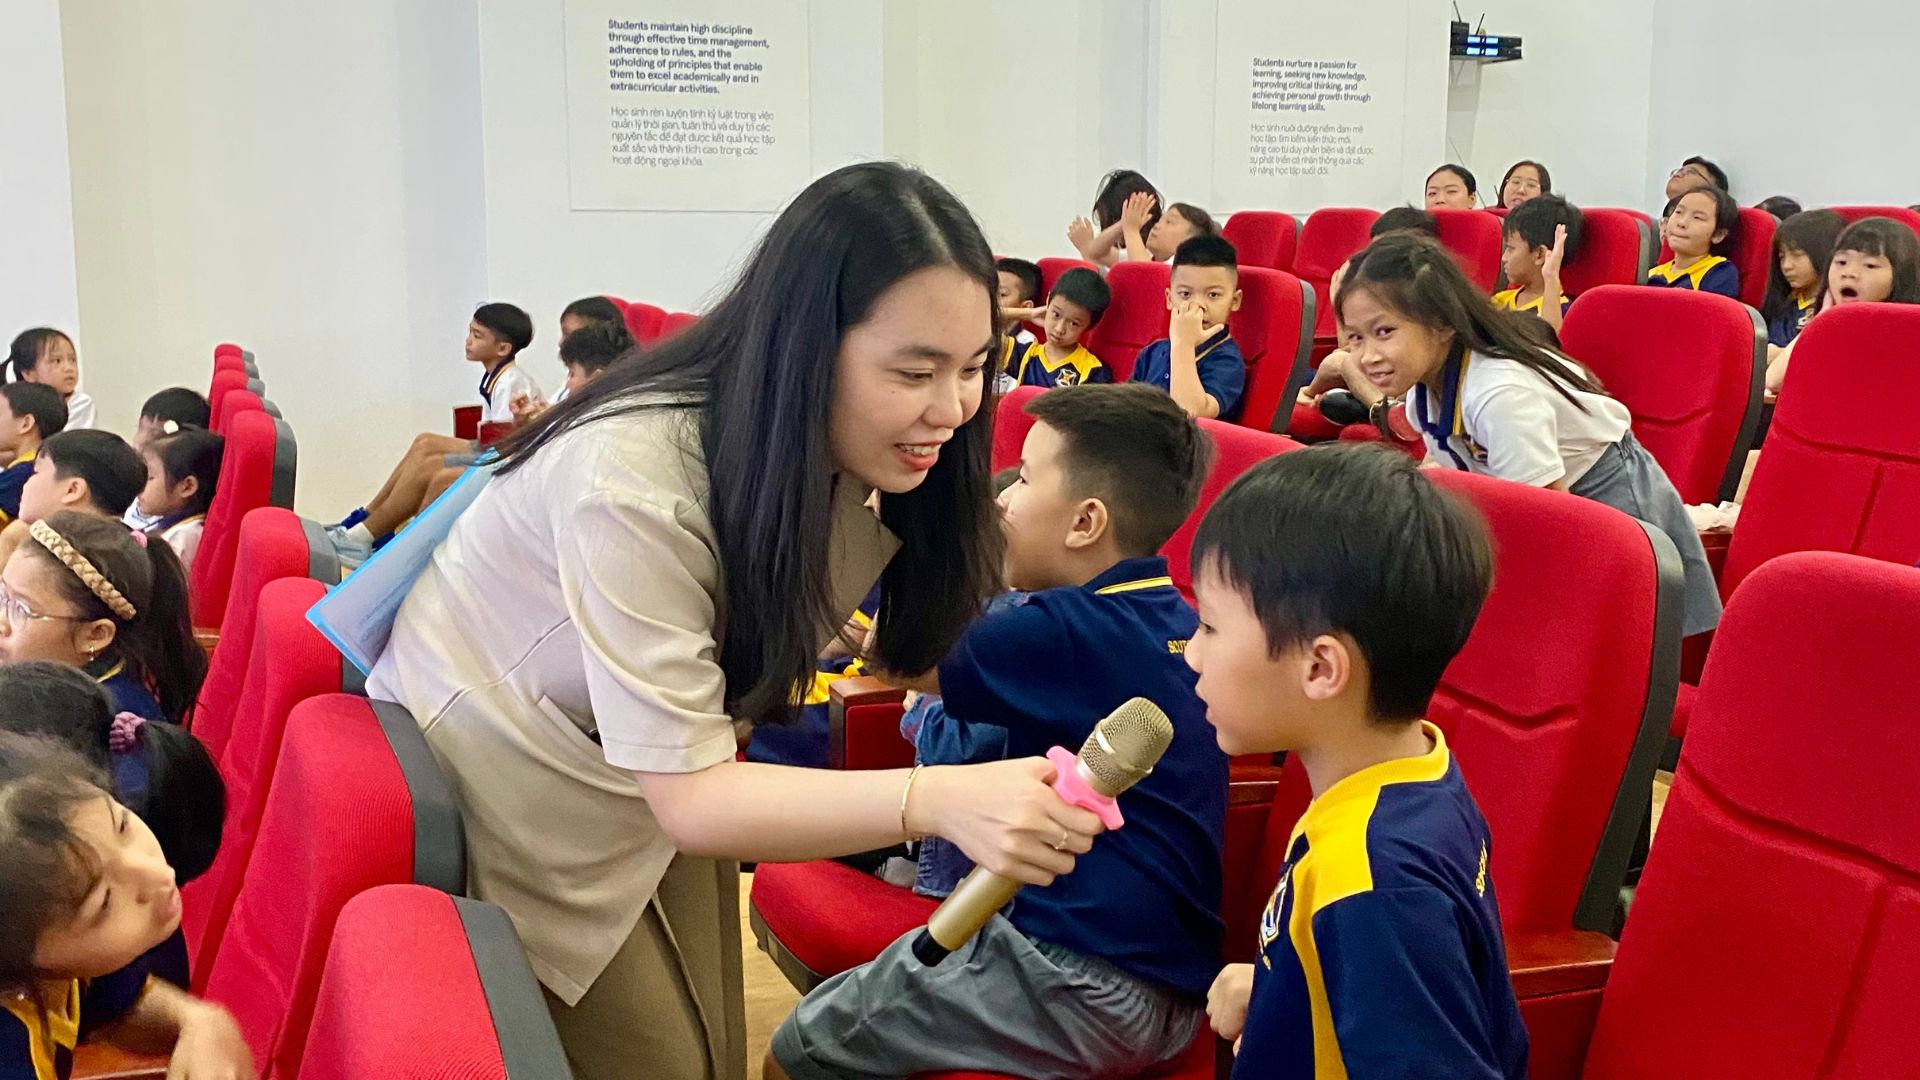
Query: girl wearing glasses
[{"x": 84, "y": 591}]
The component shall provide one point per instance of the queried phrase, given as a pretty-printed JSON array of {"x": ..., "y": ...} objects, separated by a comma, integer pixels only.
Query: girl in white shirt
[
  {"x": 656, "y": 567},
  {"x": 1492, "y": 396},
  {"x": 182, "y": 470},
  {"x": 45, "y": 355}
]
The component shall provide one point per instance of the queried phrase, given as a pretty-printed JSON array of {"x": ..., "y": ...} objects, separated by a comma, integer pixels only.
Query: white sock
[{"x": 364, "y": 534}]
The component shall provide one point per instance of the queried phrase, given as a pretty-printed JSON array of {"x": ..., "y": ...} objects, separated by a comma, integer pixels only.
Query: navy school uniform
[
  {"x": 1223, "y": 371},
  {"x": 13, "y": 481},
  {"x": 37, "y": 1038},
  {"x": 1035, "y": 368},
  {"x": 1380, "y": 951},
  {"x": 1787, "y": 325},
  {"x": 1147, "y": 897},
  {"x": 1712, "y": 274}
]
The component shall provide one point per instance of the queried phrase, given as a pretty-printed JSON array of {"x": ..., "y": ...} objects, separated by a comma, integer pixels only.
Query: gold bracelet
[{"x": 905, "y": 793}]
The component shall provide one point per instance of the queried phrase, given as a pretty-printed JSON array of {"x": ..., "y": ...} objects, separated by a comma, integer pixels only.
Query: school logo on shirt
[
  {"x": 1177, "y": 648},
  {"x": 1270, "y": 918},
  {"x": 1480, "y": 879},
  {"x": 1068, "y": 375}
]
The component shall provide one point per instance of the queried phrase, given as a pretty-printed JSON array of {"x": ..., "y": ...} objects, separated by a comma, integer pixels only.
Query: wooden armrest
[
  {"x": 862, "y": 690},
  {"x": 1248, "y": 792},
  {"x": 206, "y": 638},
  {"x": 1559, "y": 963},
  {"x": 104, "y": 1061},
  {"x": 843, "y": 694}
]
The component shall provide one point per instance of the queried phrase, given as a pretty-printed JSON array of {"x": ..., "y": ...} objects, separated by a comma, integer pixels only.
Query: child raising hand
[{"x": 87, "y": 892}]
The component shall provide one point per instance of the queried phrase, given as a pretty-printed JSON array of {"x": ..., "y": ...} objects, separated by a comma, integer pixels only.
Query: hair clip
[{"x": 171, "y": 427}]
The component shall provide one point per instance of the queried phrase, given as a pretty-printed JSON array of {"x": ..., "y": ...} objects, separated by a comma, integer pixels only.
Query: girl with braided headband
[{"x": 82, "y": 590}]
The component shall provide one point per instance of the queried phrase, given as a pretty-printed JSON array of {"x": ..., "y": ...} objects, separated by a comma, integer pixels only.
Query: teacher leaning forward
[{"x": 663, "y": 556}]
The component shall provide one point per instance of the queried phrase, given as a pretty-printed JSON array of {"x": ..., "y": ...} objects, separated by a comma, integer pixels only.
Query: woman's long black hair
[{"x": 761, "y": 366}]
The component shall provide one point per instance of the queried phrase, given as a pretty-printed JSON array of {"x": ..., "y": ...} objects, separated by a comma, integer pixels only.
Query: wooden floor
[{"x": 770, "y": 997}]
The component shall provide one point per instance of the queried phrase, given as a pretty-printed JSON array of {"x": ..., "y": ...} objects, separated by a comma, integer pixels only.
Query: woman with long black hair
[{"x": 661, "y": 559}]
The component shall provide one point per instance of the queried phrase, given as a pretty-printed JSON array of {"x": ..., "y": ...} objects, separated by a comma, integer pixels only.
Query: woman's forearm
[{"x": 770, "y": 813}]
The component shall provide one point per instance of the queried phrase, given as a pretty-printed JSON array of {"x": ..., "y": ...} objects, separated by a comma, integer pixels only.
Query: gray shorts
[
  {"x": 1628, "y": 479},
  {"x": 1002, "y": 1003}
]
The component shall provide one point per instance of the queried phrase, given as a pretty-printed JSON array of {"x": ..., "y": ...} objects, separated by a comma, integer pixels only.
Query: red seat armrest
[
  {"x": 1559, "y": 963},
  {"x": 854, "y": 722}
]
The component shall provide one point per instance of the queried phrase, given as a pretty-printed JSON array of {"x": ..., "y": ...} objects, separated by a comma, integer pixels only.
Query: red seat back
[
  {"x": 1474, "y": 238},
  {"x": 676, "y": 321},
  {"x": 289, "y": 662},
  {"x": 1274, "y": 329},
  {"x": 1330, "y": 237},
  {"x": 227, "y": 348},
  {"x": 256, "y": 470},
  {"x": 1904, "y": 215},
  {"x": 1752, "y": 253},
  {"x": 420, "y": 985},
  {"x": 1558, "y": 706},
  {"x": 231, "y": 361},
  {"x": 274, "y": 543},
  {"x": 356, "y": 801},
  {"x": 224, "y": 379},
  {"x": 1616, "y": 248},
  {"x": 1137, "y": 317},
  {"x": 1236, "y": 449},
  {"x": 1776, "y": 929},
  {"x": 644, "y": 321},
  {"x": 1840, "y": 472},
  {"x": 1263, "y": 237},
  {"x": 1011, "y": 424},
  {"x": 1691, "y": 372}
]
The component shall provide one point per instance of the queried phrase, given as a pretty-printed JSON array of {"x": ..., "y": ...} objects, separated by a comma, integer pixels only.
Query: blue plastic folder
[{"x": 357, "y": 614}]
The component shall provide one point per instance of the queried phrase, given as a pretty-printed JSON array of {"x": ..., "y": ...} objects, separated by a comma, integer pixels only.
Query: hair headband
[{"x": 82, "y": 568}]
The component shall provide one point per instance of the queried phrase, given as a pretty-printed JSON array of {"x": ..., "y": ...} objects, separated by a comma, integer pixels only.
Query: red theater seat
[
  {"x": 644, "y": 321},
  {"x": 1263, "y": 238},
  {"x": 274, "y": 543},
  {"x": 1776, "y": 929},
  {"x": 356, "y": 802},
  {"x": 1329, "y": 238},
  {"x": 1050, "y": 271},
  {"x": 1474, "y": 238},
  {"x": 229, "y": 380},
  {"x": 676, "y": 321},
  {"x": 1236, "y": 449},
  {"x": 1137, "y": 317},
  {"x": 1616, "y": 248},
  {"x": 257, "y": 470},
  {"x": 289, "y": 663},
  {"x": 1691, "y": 372},
  {"x": 420, "y": 985},
  {"x": 1752, "y": 254},
  {"x": 1274, "y": 329},
  {"x": 1904, "y": 215},
  {"x": 1830, "y": 478},
  {"x": 1011, "y": 424}
]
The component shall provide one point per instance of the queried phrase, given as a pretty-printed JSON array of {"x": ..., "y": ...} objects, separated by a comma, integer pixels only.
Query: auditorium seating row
[{"x": 326, "y": 922}]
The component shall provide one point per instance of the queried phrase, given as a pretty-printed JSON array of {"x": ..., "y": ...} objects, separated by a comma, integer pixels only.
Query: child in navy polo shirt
[
  {"x": 29, "y": 414},
  {"x": 1198, "y": 363},
  {"x": 1105, "y": 971},
  {"x": 1335, "y": 585},
  {"x": 1700, "y": 227},
  {"x": 1074, "y": 307}
]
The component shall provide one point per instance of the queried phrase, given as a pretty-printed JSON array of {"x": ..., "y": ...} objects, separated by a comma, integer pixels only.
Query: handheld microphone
[{"x": 1120, "y": 752}]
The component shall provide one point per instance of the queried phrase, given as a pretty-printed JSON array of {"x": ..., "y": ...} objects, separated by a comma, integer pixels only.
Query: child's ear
[
  {"x": 1719, "y": 236},
  {"x": 1237, "y": 297},
  {"x": 94, "y": 636},
  {"x": 75, "y": 491},
  {"x": 1540, "y": 255},
  {"x": 1326, "y": 668},
  {"x": 187, "y": 488},
  {"x": 1169, "y": 299},
  {"x": 1091, "y": 523}
]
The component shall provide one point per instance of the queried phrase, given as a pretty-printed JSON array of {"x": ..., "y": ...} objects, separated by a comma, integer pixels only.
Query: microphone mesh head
[{"x": 1125, "y": 746}]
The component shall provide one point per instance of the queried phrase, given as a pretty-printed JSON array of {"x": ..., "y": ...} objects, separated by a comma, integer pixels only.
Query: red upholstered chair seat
[
  {"x": 828, "y": 916},
  {"x": 1330, "y": 237},
  {"x": 1263, "y": 238},
  {"x": 1137, "y": 317}
]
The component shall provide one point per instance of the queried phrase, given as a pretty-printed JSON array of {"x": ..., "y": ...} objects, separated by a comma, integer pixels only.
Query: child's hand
[
  {"x": 1135, "y": 212},
  {"x": 1550, "y": 270},
  {"x": 1227, "y": 1001},
  {"x": 525, "y": 407},
  {"x": 210, "y": 1047},
  {"x": 1332, "y": 375},
  {"x": 1080, "y": 235},
  {"x": 1033, "y": 313},
  {"x": 1185, "y": 328}
]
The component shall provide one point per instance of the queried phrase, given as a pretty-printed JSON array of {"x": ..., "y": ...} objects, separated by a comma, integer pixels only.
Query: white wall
[
  {"x": 1578, "y": 102},
  {"x": 541, "y": 253},
  {"x": 37, "y": 285},
  {"x": 1814, "y": 103},
  {"x": 303, "y": 179},
  {"x": 1020, "y": 108}
]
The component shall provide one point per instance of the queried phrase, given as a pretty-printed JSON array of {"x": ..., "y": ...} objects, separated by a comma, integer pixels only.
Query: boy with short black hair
[
  {"x": 1335, "y": 586},
  {"x": 1197, "y": 363},
  {"x": 495, "y": 337},
  {"x": 1018, "y": 291},
  {"x": 1075, "y": 306},
  {"x": 1101, "y": 973},
  {"x": 170, "y": 411},
  {"x": 1539, "y": 236},
  {"x": 29, "y": 414},
  {"x": 89, "y": 471},
  {"x": 1404, "y": 219}
]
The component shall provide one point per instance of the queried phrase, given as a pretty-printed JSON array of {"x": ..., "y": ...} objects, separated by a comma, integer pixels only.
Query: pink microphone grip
[{"x": 1069, "y": 785}]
